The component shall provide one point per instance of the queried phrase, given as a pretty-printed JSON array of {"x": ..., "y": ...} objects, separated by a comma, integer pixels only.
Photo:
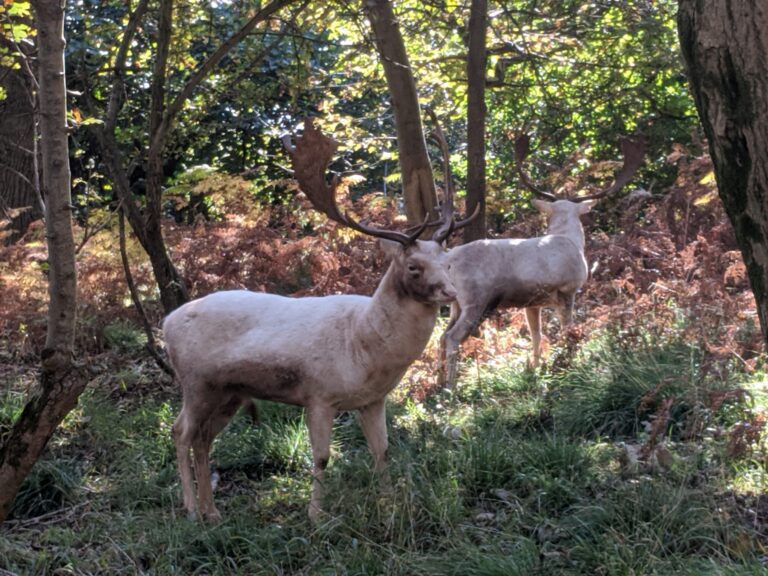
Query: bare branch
[
  {"x": 210, "y": 63},
  {"x": 115, "y": 98},
  {"x": 17, "y": 174},
  {"x": 151, "y": 344}
]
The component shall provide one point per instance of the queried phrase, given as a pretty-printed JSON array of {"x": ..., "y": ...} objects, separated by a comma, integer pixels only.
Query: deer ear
[
  {"x": 542, "y": 205},
  {"x": 586, "y": 206},
  {"x": 390, "y": 247}
]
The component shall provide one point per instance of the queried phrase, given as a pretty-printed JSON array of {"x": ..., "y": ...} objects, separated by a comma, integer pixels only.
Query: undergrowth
[
  {"x": 638, "y": 448},
  {"x": 497, "y": 477}
]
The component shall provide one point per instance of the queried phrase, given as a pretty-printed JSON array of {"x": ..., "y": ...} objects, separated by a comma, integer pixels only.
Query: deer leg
[
  {"x": 209, "y": 428},
  {"x": 201, "y": 448},
  {"x": 565, "y": 308},
  {"x": 455, "y": 313},
  {"x": 469, "y": 318},
  {"x": 183, "y": 435},
  {"x": 320, "y": 424},
  {"x": 442, "y": 357},
  {"x": 533, "y": 316},
  {"x": 373, "y": 421}
]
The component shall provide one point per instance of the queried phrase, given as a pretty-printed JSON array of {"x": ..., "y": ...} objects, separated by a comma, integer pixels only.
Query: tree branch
[
  {"x": 151, "y": 344},
  {"x": 158, "y": 137},
  {"x": 159, "y": 71},
  {"x": 115, "y": 98}
]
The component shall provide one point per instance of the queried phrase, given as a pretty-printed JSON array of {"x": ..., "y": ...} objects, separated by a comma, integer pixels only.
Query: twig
[
  {"x": 25, "y": 522},
  {"x": 90, "y": 233},
  {"x": 151, "y": 344},
  {"x": 36, "y": 127}
]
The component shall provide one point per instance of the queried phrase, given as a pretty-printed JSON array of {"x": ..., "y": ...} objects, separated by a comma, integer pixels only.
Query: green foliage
[
  {"x": 52, "y": 484},
  {"x": 125, "y": 337},
  {"x": 15, "y": 27},
  {"x": 577, "y": 74},
  {"x": 621, "y": 380}
]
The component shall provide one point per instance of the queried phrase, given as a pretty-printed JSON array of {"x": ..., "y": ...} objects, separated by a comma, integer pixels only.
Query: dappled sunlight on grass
[{"x": 637, "y": 447}]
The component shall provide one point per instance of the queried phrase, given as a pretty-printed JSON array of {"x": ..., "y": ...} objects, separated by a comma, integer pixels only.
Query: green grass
[{"x": 517, "y": 472}]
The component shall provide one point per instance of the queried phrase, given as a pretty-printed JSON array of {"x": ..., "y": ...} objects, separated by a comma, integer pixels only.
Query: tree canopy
[{"x": 575, "y": 74}]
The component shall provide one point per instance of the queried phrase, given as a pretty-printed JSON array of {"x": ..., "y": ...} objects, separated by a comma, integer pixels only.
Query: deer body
[
  {"x": 329, "y": 353},
  {"x": 531, "y": 273},
  {"x": 326, "y": 354},
  {"x": 517, "y": 273}
]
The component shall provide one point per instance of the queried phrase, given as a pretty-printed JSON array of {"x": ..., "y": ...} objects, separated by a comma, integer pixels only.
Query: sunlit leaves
[
  {"x": 577, "y": 74},
  {"x": 15, "y": 27}
]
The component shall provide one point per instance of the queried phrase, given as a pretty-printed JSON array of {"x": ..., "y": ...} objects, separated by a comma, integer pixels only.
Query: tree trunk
[
  {"x": 725, "y": 47},
  {"x": 148, "y": 227},
  {"x": 60, "y": 386},
  {"x": 417, "y": 180},
  {"x": 476, "y": 60},
  {"x": 19, "y": 200},
  {"x": 173, "y": 292}
]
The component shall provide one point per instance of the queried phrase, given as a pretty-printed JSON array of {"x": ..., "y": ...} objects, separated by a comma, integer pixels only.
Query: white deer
[
  {"x": 525, "y": 273},
  {"x": 326, "y": 354}
]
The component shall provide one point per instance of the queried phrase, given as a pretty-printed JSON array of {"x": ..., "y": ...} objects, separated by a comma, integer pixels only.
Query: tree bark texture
[
  {"x": 417, "y": 179},
  {"x": 476, "y": 110},
  {"x": 19, "y": 201},
  {"x": 173, "y": 292},
  {"x": 60, "y": 384},
  {"x": 725, "y": 47}
]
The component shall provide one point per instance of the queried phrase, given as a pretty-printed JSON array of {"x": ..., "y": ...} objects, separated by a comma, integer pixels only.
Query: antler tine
[
  {"x": 310, "y": 158},
  {"x": 633, "y": 152},
  {"x": 522, "y": 145},
  {"x": 446, "y": 222}
]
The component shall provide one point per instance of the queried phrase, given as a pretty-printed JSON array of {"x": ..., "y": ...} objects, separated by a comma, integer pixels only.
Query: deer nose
[{"x": 449, "y": 293}]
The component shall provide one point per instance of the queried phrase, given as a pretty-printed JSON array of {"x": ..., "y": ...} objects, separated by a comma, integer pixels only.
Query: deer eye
[{"x": 413, "y": 269}]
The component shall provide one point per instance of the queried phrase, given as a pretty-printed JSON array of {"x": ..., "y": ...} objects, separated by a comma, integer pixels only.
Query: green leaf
[
  {"x": 19, "y": 9},
  {"x": 91, "y": 121}
]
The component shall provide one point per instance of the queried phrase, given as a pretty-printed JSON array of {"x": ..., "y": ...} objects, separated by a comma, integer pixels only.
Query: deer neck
[
  {"x": 571, "y": 229},
  {"x": 395, "y": 325}
]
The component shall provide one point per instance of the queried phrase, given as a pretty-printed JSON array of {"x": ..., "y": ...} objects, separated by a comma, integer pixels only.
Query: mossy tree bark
[
  {"x": 725, "y": 47},
  {"x": 60, "y": 384}
]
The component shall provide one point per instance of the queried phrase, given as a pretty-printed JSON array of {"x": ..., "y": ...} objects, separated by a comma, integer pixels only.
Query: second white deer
[{"x": 532, "y": 273}]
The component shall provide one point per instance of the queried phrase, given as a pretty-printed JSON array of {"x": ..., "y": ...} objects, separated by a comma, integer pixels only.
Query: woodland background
[{"x": 638, "y": 448}]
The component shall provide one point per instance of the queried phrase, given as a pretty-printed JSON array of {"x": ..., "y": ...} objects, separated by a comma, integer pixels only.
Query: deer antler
[
  {"x": 632, "y": 150},
  {"x": 522, "y": 146},
  {"x": 449, "y": 224},
  {"x": 310, "y": 158}
]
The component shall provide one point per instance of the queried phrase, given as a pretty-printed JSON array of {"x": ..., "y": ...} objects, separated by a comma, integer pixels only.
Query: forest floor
[{"x": 639, "y": 447}]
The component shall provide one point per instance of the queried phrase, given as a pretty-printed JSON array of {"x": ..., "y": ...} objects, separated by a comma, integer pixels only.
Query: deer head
[
  {"x": 563, "y": 213},
  {"x": 312, "y": 154},
  {"x": 419, "y": 272}
]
